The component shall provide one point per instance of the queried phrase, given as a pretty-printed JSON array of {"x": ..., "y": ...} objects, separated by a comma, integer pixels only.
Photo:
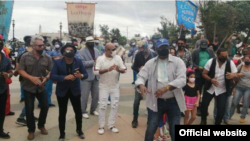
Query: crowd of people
[{"x": 176, "y": 82}]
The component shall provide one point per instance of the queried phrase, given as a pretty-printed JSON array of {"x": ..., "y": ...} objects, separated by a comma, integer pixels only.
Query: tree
[
  {"x": 168, "y": 29},
  {"x": 105, "y": 32},
  {"x": 115, "y": 33},
  {"x": 243, "y": 8},
  {"x": 217, "y": 15}
]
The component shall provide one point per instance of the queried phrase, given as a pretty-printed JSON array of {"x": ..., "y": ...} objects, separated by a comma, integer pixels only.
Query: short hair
[
  {"x": 221, "y": 50},
  {"x": 112, "y": 41},
  {"x": 35, "y": 38},
  {"x": 182, "y": 39}
]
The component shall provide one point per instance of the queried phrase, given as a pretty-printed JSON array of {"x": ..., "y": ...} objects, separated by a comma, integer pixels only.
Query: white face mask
[
  {"x": 113, "y": 53},
  {"x": 150, "y": 45},
  {"x": 233, "y": 37},
  {"x": 174, "y": 44},
  {"x": 191, "y": 80},
  {"x": 48, "y": 48},
  {"x": 116, "y": 44},
  {"x": 57, "y": 46}
]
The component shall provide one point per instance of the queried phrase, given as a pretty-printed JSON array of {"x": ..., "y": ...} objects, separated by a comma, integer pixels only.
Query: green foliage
[{"x": 104, "y": 32}]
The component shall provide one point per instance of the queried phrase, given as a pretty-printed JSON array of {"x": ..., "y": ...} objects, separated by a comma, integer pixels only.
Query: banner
[
  {"x": 6, "y": 8},
  {"x": 186, "y": 12},
  {"x": 81, "y": 19}
]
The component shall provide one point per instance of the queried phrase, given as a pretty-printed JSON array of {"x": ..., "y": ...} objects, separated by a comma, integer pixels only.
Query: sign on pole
[
  {"x": 81, "y": 19},
  {"x": 186, "y": 12}
]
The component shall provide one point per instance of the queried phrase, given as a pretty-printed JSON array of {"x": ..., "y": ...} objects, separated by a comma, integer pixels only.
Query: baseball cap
[
  {"x": 160, "y": 42},
  {"x": 90, "y": 39},
  {"x": 203, "y": 43}
]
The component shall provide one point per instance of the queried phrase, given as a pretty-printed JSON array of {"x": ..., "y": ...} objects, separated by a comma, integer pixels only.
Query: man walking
[
  {"x": 32, "y": 67},
  {"x": 88, "y": 56}
]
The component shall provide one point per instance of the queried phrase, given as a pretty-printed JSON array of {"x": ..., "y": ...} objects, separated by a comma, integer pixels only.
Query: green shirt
[{"x": 203, "y": 58}]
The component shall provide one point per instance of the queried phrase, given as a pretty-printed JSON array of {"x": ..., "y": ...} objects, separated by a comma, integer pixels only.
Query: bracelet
[{"x": 167, "y": 88}]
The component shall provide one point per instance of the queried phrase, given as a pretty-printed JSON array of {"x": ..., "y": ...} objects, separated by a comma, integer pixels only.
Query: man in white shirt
[
  {"x": 218, "y": 74},
  {"x": 108, "y": 67}
]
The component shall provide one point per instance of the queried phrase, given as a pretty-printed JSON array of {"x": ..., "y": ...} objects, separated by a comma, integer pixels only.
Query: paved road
[{"x": 90, "y": 126}]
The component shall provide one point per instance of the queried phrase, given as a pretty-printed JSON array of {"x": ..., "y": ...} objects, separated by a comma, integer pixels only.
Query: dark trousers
[
  {"x": 136, "y": 105},
  {"x": 3, "y": 99},
  {"x": 200, "y": 83},
  {"x": 29, "y": 107},
  {"x": 221, "y": 106},
  {"x": 169, "y": 106},
  {"x": 63, "y": 106}
]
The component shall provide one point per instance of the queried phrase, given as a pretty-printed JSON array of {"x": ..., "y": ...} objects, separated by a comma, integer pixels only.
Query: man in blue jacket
[{"x": 67, "y": 72}]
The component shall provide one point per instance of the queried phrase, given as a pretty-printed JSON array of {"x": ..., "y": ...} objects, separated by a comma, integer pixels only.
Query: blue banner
[
  {"x": 186, "y": 12},
  {"x": 5, "y": 17}
]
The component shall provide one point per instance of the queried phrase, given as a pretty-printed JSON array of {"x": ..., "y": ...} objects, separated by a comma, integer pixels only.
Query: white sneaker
[
  {"x": 101, "y": 131},
  {"x": 95, "y": 113},
  {"x": 114, "y": 130},
  {"x": 85, "y": 116},
  {"x": 109, "y": 102}
]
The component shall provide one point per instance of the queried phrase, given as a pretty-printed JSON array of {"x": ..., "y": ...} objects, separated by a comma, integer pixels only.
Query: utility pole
[{"x": 127, "y": 34}]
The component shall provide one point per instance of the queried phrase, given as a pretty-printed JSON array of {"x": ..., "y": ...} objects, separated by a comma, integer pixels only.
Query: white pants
[{"x": 103, "y": 99}]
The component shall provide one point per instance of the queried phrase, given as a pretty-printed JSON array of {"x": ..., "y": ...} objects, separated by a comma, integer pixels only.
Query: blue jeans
[
  {"x": 241, "y": 92},
  {"x": 134, "y": 76},
  {"x": 228, "y": 108},
  {"x": 136, "y": 105},
  {"x": 49, "y": 88},
  {"x": 168, "y": 106},
  {"x": 22, "y": 93},
  {"x": 23, "y": 113}
]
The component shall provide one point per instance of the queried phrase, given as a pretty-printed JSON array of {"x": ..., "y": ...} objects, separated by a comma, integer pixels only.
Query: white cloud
[{"x": 141, "y": 17}]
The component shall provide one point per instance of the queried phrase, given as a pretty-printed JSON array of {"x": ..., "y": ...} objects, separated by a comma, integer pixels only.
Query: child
[
  {"x": 162, "y": 133},
  {"x": 192, "y": 98}
]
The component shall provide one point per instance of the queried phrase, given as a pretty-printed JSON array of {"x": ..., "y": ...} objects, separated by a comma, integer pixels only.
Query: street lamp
[
  {"x": 60, "y": 30},
  {"x": 13, "y": 24}
]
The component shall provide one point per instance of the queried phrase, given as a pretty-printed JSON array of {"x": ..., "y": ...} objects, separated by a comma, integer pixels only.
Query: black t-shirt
[
  {"x": 69, "y": 68},
  {"x": 189, "y": 91}
]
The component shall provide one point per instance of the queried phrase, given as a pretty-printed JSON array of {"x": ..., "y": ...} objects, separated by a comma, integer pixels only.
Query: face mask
[
  {"x": 174, "y": 44},
  {"x": 113, "y": 53},
  {"x": 91, "y": 46},
  {"x": 191, "y": 80},
  {"x": 69, "y": 55},
  {"x": 233, "y": 37},
  {"x": 57, "y": 46},
  {"x": 150, "y": 45},
  {"x": 180, "y": 47},
  {"x": 163, "y": 52},
  {"x": 222, "y": 60},
  {"x": 247, "y": 63},
  {"x": 116, "y": 44},
  {"x": 47, "y": 48},
  {"x": 40, "y": 52}
]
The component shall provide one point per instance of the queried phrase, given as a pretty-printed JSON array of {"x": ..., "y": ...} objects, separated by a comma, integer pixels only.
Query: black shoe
[
  {"x": 61, "y": 138},
  {"x": 203, "y": 122},
  {"x": 182, "y": 114},
  {"x": 21, "y": 100},
  {"x": 134, "y": 123},
  {"x": 4, "y": 135},
  {"x": 80, "y": 134},
  {"x": 52, "y": 105},
  {"x": 238, "y": 108},
  {"x": 11, "y": 113},
  {"x": 36, "y": 119},
  {"x": 133, "y": 83},
  {"x": 21, "y": 121}
]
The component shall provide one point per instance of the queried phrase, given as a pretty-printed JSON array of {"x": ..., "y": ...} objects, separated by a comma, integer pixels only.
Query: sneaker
[
  {"x": 101, "y": 131},
  {"x": 242, "y": 120},
  {"x": 95, "y": 113},
  {"x": 114, "y": 130},
  {"x": 11, "y": 113},
  {"x": 134, "y": 123},
  {"x": 85, "y": 116},
  {"x": 61, "y": 138},
  {"x": 80, "y": 134},
  {"x": 21, "y": 121},
  {"x": 109, "y": 102},
  {"x": 52, "y": 105},
  {"x": 21, "y": 100},
  {"x": 4, "y": 135},
  {"x": 227, "y": 122}
]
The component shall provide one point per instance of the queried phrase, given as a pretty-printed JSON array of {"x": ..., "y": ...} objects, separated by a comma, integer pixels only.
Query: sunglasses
[
  {"x": 111, "y": 49},
  {"x": 40, "y": 46}
]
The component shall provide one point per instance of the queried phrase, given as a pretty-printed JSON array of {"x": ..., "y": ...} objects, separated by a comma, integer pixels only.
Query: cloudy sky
[{"x": 140, "y": 17}]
